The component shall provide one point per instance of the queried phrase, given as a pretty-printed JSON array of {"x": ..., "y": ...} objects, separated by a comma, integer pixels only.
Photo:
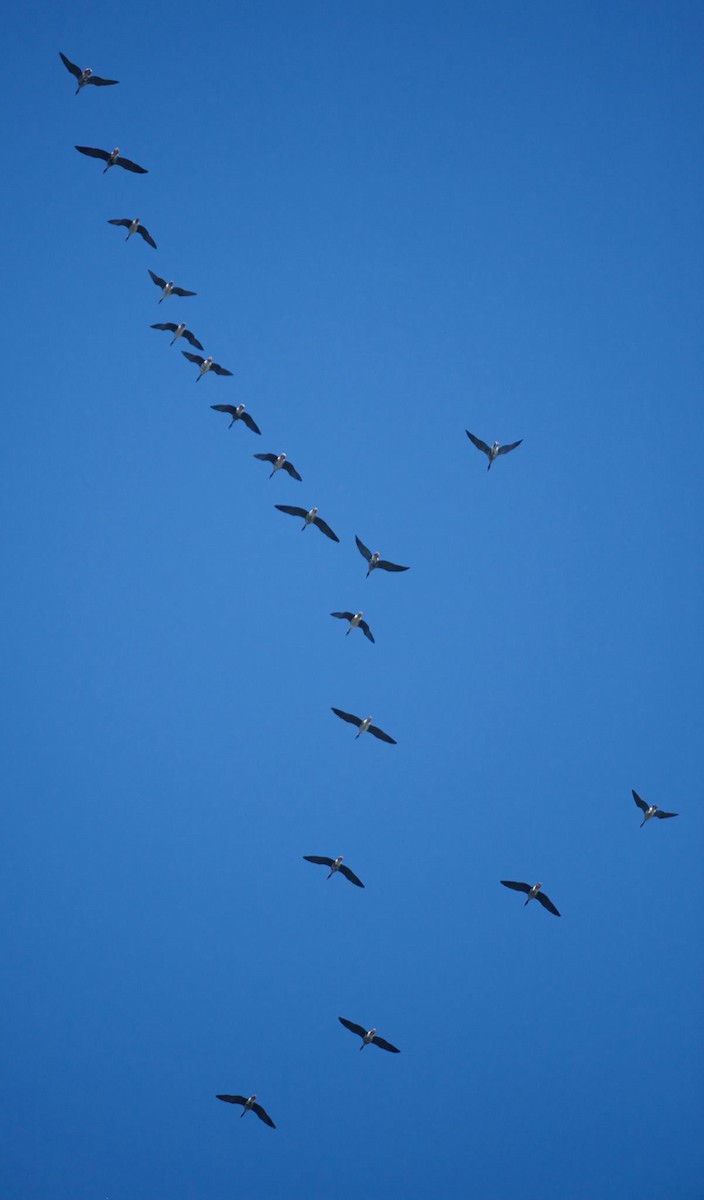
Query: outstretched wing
[
  {"x": 351, "y": 720},
  {"x": 362, "y": 548},
  {"x": 641, "y": 803},
  {"x": 319, "y": 859},
  {"x": 121, "y": 221},
  {"x": 182, "y": 292},
  {"x": 351, "y": 876},
  {"x": 131, "y": 166},
  {"x": 218, "y": 370},
  {"x": 194, "y": 358},
  {"x": 389, "y": 566},
  {"x": 76, "y": 71},
  {"x": 265, "y": 457},
  {"x": 250, "y": 422},
  {"x": 366, "y": 630},
  {"x": 93, "y": 152},
  {"x": 146, "y": 235},
  {"x": 226, "y": 408},
  {"x": 292, "y": 510},
  {"x": 168, "y": 325},
  {"x": 325, "y": 528},
  {"x": 662, "y": 815},
  {"x": 384, "y": 1045},
  {"x": 478, "y": 443},
  {"x": 162, "y": 284},
  {"x": 233, "y": 1099},
  {"x": 190, "y": 338},
  {"x": 512, "y": 446},
  {"x": 352, "y": 1027},
  {"x": 263, "y": 1115},
  {"x": 547, "y": 903},
  {"x": 344, "y": 616},
  {"x": 379, "y": 733},
  {"x": 517, "y": 887},
  {"x": 101, "y": 82},
  {"x": 292, "y": 471}
]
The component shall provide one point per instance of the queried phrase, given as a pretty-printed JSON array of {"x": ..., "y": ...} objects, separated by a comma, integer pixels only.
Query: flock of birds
[{"x": 280, "y": 462}]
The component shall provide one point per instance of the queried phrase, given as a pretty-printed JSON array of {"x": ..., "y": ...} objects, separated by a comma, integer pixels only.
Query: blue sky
[{"x": 402, "y": 221}]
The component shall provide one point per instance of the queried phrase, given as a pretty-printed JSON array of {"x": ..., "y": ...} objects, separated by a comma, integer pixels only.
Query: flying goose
[
  {"x": 335, "y": 864},
  {"x": 374, "y": 560},
  {"x": 368, "y": 1036},
  {"x": 651, "y": 810},
  {"x": 364, "y": 726},
  {"x": 85, "y": 76},
  {"x": 310, "y": 517},
  {"x": 494, "y": 451},
  {"x": 533, "y": 893},
  {"x": 133, "y": 227},
  {"x": 249, "y": 1102},
  {"x": 237, "y": 414},
  {"x": 279, "y": 461},
  {"x": 205, "y": 364},
  {"x": 168, "y": 289},
  {"x": 356, "y": 622},
  {"x": 180, "y": 331},
  {"x": 112, "y": 159}
]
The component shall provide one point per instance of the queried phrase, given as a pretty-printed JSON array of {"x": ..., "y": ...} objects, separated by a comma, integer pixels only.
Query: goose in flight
[
  {"x": 180, "y": 331},
  {"x": 205, "y": 364},
  {"x": 112, "y": 158},
  {"x": 533, "y": 893},
  {"x": 168, "y": 289},
  {"x": 134, "y": 227},
  {"x": 494, "y": 451},
  {"x": 364, "y": 726},
  {"x": 310, "y": 517},
  {"x": 356, "y": 622},
  {"x": 85, "y": 76},
  {"x": 237, "y": 414},
  {"x": 374, "y": 560},
  {"x": 279, "y": 461},
  {"x": 249, "y": 1102},
  {"x": 335, "y": 864},
  {"x": 368, "y": 1036},
  {"x": 650, "y": 810}
]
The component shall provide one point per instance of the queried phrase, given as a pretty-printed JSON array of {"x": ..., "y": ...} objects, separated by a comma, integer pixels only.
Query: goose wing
[
  {"x": 362, "y": 548},
  {"x": 478, "y": 443},
  {"x": 346, "y": 616},
  {"x": 366, "y": 630},
  {"x": 96, "y": 79},
  {"x": 547, "y": 903},
  {"x": 351, "y": 720},
  {"x": 271, "y": 458},
  {"x": 287, "y": 466},
  {"x": 226, "y": 408},
  {"x": 389, "y": 566},
  {"x": 351, "y": 876},
  {"x": 263, "y": 1115},
  {"x": 319, "y": 859},
  {"x": 166, "y": 325},
  {"x": 194, "y": 358},
  {"x": 146, "y": 235},
  {"x": 325, "y": 528},
  {"x": 292, "y": 510},
  {"x": 511, "y": 446},
  {"x": 352, "y": 1027},
  {"x": 379, "y": 733},
  {"x": 76, "y": 71},
  {"x": 384, "y": 1045},
  {"x": 218, "y": 370},
  {"x": 130, "y": 166},
  {"x": 121, "y": 221},
  {"x": 191, "y": 338},
  {"x": 641, "y": 803},
  {"x": 663, "y": 815},
  {"x": 250, "y": 422},
  {"x": 93, "y": 152},
  {"x": 177, "y": 291},
  {"x": 162, "y": 284},
  {"x": 233, "y": 1099},
  {"x": 517, "y": 887}
]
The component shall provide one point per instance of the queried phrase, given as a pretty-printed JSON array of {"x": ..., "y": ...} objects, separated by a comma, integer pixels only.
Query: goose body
[
  {"x": 237, "y": 414},
  {"x": 364, "y": 726},
  {"x": 493, "y": 451},
  {"x": 280, "y": 463},
  {"x": 335, "y": 865},
  {"x": 533, "y": 892},
  {"x": 205, "y": 364},
  {"x": 355, "y": 622},
  {"x": 369, "y": 1036},
  {"x": 374, "y": 560},
  {"x": 85, "y": 76},
  {"x": 650, "y": 810},
  {"x": 249, "y": 1104},
  {"x": 168, "y": 287},
  {"x": 133, "y": 227},
  {"x": 112, "y": 158},
  {"x": 310, "y": 517},
  {"x": 179, "y": 331}
]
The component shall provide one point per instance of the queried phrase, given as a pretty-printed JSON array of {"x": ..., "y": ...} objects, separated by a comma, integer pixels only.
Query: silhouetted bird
[
  {"x": 249, "y": 1102},
  {"x": 205, "y": 364},
  {"x": 112, "y": 159},
  {"x": 168, "y": 289},
  {"x": 279, "y": 461},
  {"x": 368, "y": 1036},
  {"x": 237, "y": 414},
  {"x": 335, "y": 865},
  {"x": 364, "y": 726},
  {"x": 85, "y": 76},
  {"x": 180, "y": 331},
  {"x": 133, "y": 227},
  {"x": 494, "y": 451},
  {"x": 355, "y": 620},
  {"x": 374, "y": 560},
  {"x": 310, "y": 517},
  {"x": 533, "y": 893},
  {"x": 651, "y": 810}
]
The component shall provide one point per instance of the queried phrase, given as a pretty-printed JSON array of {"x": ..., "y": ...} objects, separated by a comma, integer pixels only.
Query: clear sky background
[{"x": 402, "y": 220}]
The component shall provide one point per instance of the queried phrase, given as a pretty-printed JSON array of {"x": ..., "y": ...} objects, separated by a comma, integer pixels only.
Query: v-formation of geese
[{"x": 310, "y": 516}]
